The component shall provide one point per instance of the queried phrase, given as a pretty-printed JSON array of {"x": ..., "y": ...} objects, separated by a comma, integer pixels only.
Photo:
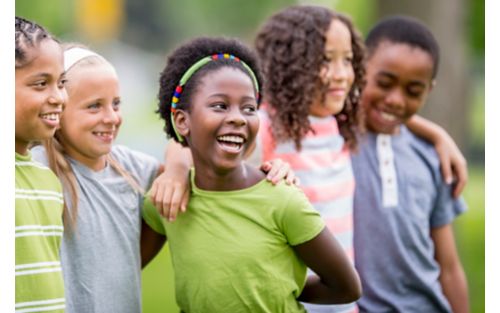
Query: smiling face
[
  {"x": 40, "y": 94},
  {"x": 337, "y": 73},
  {"x": 398, "y": 81},
  {"x": 222, "y": 121},
  {"x": 92, "y": 117}
]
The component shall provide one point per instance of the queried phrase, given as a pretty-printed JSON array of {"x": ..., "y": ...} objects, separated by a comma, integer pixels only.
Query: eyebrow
[
  {"x": 225, "y": 96},
  {"x": 390, "y": 75}
]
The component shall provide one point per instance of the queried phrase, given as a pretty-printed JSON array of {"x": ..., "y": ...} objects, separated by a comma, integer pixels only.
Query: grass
[{"x": 158, "y": 289}]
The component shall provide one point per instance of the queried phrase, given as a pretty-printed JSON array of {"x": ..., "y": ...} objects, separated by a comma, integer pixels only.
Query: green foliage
[
  {"x": 475, "y": 21},
  {"x": 362, "y": 12},
  {"x": 51, "y": 14}
]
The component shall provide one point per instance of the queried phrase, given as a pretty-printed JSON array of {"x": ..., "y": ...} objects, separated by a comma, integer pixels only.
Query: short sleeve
[
  {"x": 446, "y": 208},
  {"x": 144, "y": 167},
  {"x": 39, "y": 154},
  {"x": 151, "y": 216},
  {"x": 298, "y": 220}
]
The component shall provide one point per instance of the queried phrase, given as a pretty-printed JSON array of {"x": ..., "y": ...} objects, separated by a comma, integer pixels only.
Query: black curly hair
[
  {"x": 28, "y": 35},
  {"x": 181, "y": 59},
  {"x": 406, "y": 30},
  {"x": 291, "y": 47}
]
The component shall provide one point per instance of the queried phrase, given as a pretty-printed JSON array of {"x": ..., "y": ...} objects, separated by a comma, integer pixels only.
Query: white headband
[{"x": 74, "y": 55}]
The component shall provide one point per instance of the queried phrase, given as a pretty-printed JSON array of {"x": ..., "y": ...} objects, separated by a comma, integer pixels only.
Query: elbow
[{"x": 353, "y": 289}]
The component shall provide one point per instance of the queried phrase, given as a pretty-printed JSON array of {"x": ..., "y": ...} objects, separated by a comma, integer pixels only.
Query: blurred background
[{"x": 136, "y": 35}]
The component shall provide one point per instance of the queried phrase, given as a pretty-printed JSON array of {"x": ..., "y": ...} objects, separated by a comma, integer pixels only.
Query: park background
[{"x": 136, "y": 36}]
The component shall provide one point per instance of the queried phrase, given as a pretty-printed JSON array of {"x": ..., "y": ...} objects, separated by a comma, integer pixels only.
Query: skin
[
  {"x": 92, "y": 117},
  {"x": 396, "y": 88},
  {"x": 337, "y": 72},
  {"x": 399, "y": 78},
  {"x": 225, "y": 104},
  {"x": 40, "y": 94},
  {"x": 90, "y": 124}
]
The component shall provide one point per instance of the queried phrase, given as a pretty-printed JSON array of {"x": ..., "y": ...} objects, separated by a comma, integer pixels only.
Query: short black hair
[
  {"x": 404, "y": 30},
  {"x": 181, "y": 59},
  {"x": 28, "y": 35}
]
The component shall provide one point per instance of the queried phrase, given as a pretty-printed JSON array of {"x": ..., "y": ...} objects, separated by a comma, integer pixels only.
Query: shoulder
[
  {"x": 39, "y": 154},
  {"x": 132, "y": 158}
]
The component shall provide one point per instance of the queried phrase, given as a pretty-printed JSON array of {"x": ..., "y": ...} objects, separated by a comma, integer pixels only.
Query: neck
[
  {"x": 243, "y": 176},
  {"x": 21, "y": 147}
]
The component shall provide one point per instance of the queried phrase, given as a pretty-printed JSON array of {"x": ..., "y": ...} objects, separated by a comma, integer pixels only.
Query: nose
[
  {"x": 338, "y": 70},
  {"x": 395, "y": 99},
  {"x": 111, "y": 115},
  {"x": 58, "y": 97},
  {"x": 235, "y": 117}
]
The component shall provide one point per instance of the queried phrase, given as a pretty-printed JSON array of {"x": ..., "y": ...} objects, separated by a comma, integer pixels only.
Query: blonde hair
[{"x": 58, "y": 159}]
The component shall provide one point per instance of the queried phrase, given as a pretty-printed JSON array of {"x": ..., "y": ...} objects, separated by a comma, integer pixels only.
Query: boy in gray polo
[{"x": 403, "y": 210}]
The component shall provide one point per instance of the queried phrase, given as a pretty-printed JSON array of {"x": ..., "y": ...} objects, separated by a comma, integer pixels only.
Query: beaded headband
[{"x": 195, "y": 67}]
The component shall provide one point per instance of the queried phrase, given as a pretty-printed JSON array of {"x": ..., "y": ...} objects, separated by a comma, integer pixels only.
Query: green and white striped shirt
[{"x": 39, "y": 230}]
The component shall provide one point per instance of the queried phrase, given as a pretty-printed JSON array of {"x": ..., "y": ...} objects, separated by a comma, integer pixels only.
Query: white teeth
[
  {"x": 388, "y": 116},
  {"x": 233, "y": 139},
  {"x": 50, "y": 116},
  {"x": 102, "y": 134}
]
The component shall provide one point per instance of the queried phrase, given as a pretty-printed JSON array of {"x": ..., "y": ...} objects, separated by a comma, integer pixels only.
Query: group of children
[{"x": 370, "y": 201}]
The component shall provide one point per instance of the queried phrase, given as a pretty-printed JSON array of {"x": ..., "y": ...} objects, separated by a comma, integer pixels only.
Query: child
[
  {"x": 105, "y": 245},
  {"x": 100, "y": 252},
  {"x": 405, "y": 250},
  {"x": 242, "y": 245},
  {"x": 312, "y": 59},
  {"x": 40, "y": 96}
]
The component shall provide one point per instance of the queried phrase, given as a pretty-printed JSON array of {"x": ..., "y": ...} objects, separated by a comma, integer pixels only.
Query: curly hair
[
  {"x": 28, "y": 35},
  {"x": 291, "y": 47},
  {"x": 181, "y": 59}
]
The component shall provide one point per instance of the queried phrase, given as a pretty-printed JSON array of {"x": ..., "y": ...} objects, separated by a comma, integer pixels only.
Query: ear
[
  {"x": 433, "y": 84},
  {"x": 182, "y": 123}
]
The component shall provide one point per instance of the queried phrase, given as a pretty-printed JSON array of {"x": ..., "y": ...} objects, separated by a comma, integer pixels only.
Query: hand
[
  {"x": 170, "y": 193},
  {"x": 277, "y": 170},
  {"x": 453, "y": 164}
]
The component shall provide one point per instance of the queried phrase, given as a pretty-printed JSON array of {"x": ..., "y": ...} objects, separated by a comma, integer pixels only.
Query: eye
[
  {"x": 414, "y": 93},
  {"x": 348, "y": 60},
  {"x": 94, "y": 106},
  {"x": 116, "y": 104},
  {"x": 219, "y": 106},
  {"x": 62, "y": 83},
  {"x": 384, "y": 84},
  {"x": 250, "y": 108},
  {"x": 40, "y": 84}
]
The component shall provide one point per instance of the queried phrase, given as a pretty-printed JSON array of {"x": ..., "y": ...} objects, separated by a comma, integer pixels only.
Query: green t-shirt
[
  {"x": 232, "y": 251},
  {"x": 39, "y": 229}
]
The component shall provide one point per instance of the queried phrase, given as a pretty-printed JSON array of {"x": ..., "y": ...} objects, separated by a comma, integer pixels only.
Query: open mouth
[
  {"x": 388, "y": 117},
  {"x": 51, "y": 119},
  {"x": 231, "y": 143},
  {"x": 105, "y": 136}
]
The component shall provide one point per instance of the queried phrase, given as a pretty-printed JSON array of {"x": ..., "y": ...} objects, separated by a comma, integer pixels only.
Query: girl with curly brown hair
[{"x": 312, "y": 59}]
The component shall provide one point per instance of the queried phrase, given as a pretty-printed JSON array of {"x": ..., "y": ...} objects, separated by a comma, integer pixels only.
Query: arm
[
  {"x": 151, "y": 244},
  {"x": 452, "y": 160},
  {"x": 337, "y": 280},
  {"x": 170, "y": 190},
  {"x": 452, "y": 278}
]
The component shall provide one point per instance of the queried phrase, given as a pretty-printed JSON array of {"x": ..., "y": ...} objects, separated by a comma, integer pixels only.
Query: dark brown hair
[
  {"x": 291, "y": 47},
  {"x": 28, "y": 35}
]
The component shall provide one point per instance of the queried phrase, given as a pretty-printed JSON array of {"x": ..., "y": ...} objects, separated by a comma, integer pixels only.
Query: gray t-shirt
[
  {"x": 400, "y": 196},
  {"x": 101, "y": 259}
]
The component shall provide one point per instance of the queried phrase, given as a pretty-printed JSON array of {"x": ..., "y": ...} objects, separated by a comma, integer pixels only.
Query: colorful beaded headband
[{"x": 196, "y": 66}]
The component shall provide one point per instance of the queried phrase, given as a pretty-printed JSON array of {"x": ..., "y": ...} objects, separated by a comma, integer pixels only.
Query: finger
[
  {"x": 290, "y": 178},
  {"x": 185, "y": 200},
  {"x": 296, "y": 181},
  {"x": 281, "y": 174},
  {"x": 275, "y": 169},
  {"x": 165, "y": 200},
  {"x": 446, "y": 170},
  {"x": 461, "y": 180},
  {"x": 175, "y": 203},
  {"x": 266, "y": 166}
]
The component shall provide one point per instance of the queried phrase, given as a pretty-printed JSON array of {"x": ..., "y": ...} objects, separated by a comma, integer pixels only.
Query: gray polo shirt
[
  {"x": 400, "y": 196},
  {"x": 101, "y": 260}
]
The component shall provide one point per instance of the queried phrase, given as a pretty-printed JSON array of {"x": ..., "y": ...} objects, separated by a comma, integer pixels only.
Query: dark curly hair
[
  {"x": 291, "y": 47},
  {"x": 181, "y": 59},
  {"x": 28, "y": 35},
  {"x": 405, "y": 30}
]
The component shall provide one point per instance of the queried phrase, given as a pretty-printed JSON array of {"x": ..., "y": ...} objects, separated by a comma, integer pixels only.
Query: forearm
[
  {"x": 177, "y": 156},
  {"x": 426, "y": 129},
  {"x": 454, "y": 284},
  {"x": 151, "y": 244},
  {"x": 316, "y": 291}
]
